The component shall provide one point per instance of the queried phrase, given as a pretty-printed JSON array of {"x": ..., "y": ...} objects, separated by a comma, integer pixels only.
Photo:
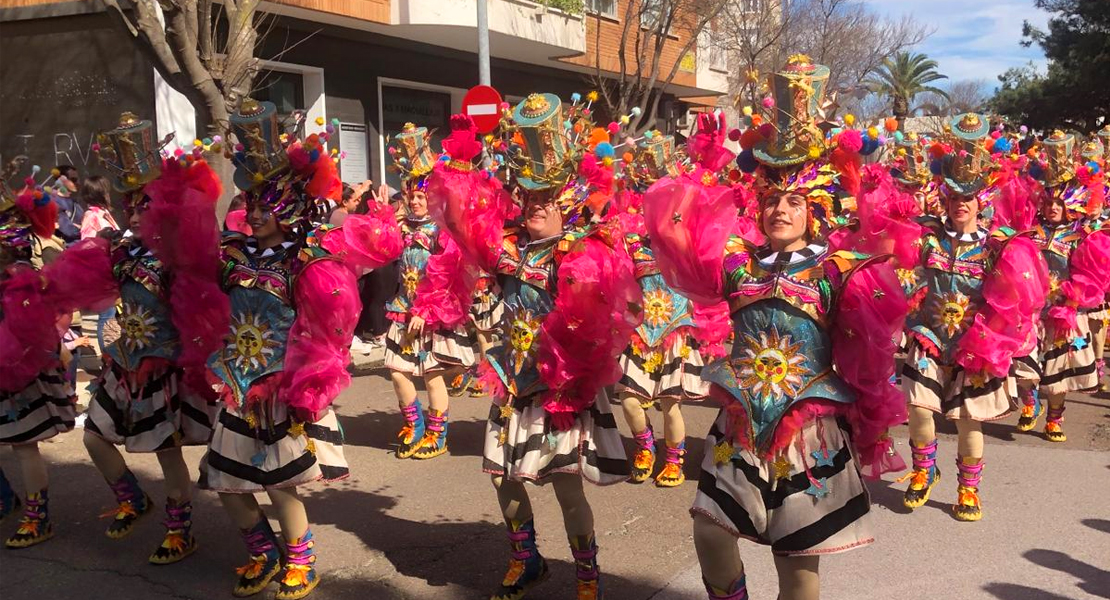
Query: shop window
[
  {"x": 605, "y": 8},
  {"x": 422, "y": 108},
  {"x": 285, "y": 90}
]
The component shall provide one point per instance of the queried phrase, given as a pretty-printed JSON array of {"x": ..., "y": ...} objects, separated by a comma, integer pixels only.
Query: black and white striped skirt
[
  {"x": 1068, "y": 364},
  {"x": 949, "y": 390},
  {"x": 265, "y": 448},
  {"x": 672, "y": 372},
  {"x": 791, "y": 503},
  {"x": 524, "y": 446},
  {"x": 486, "y": 311},
  {"x": 158, "y": 416},
  {"x": 39, "y": 411},
  {"x": 434, "y": 350}
]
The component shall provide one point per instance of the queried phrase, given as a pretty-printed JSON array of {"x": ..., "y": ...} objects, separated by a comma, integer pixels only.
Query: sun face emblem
[
  {"x": 771, "y": 366},
  {"x": 907, "y": 278},
  {"x": 1053, "y": 286},
  {"x": 522, "y": 335},
  {"x": 410, "y": 277},
  {"x": 953, "y": 312},
  {"x": 657, "y": 308},
  {"x": 137, "y": 326},
  {"x": 254, "y": 341}
]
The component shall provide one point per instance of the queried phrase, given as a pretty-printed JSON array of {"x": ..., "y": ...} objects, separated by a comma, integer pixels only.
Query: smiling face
[
  {"x": 784, "y": 219},
  {"x": 418, "y": 203},
  {"x": 262, "y": 221},
  {"x": 1053, "y": 211},
  {"x": 963, "y": 211},
  {"x": 541, "y": 216}
]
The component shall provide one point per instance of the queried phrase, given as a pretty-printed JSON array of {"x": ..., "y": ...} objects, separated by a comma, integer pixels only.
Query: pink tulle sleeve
[
  {"x": 328, "y": 305},
  {"x": 712, "y": 327},
  {"x": 1014, "y": 204},
  {"x": 80, "y": 278},
  {"x": 1087, "y": 283},
  {"x": 596, "y": 309},
  {"x": 368, "y": 241},
  {"x": 28, "y": 338},
  {"x": 1014, "y": 294},
  {"x": 871, "y": 312},
  {"x": 446, "y": 291},
  {"x": 472, "y": 208},
  {"x": 887, "y": 222},
  {"x": 689, "y": 225},
  {"x": 181, "y": 228}
]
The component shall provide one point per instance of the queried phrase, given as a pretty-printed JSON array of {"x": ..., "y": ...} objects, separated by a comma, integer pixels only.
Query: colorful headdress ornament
[
  {"x": 288, "y": 175},
  {"x": 130, "y": 153},
  {"x": 24, "y": 213},
  {"x": 653, "y": 158},
  {"x": 1059, "y": 166},
  {"x": 546, "y": 142},
  {"x": 1104, "y": 136},
  {"x": 1092, "y": 150},
  {"x": 792, "y": 136},
  {"x": 964, "y": 158},
  {"x": 412, "y": 154},
  {"x": 910, "y": 166}
]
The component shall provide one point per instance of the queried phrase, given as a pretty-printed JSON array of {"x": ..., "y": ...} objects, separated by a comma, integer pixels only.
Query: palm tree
[{"x": 903, "y": 76}]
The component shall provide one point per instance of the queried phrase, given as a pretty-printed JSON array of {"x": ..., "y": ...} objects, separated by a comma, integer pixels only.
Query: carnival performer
[
  {"x": 664, "y": 362},
  {"x": 37, "y": 400},
  {"x": 294, "y": 305},
  {"x": 427, "y": 337},
  {"x": 1079, "y": 275},
  {"x": 974, "y": 303},
  {"x": 571, "y": 302},
  {"x": 143, "y": 399},
  {"x": 1097, "y": 151},
  {"x": 783, "y": 459}
]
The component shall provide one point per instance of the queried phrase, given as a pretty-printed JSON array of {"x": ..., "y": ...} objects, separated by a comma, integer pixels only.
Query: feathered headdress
[{"x": 24, "y": 213}]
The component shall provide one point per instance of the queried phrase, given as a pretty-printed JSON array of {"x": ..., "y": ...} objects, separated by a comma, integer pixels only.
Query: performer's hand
[
  {"x": 382, "y": 195},
  {"x": 416, "y": 325}
]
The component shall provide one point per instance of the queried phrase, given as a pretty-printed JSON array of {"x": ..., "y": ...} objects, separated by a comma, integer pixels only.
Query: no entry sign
[{"x": 483, "y": 104}]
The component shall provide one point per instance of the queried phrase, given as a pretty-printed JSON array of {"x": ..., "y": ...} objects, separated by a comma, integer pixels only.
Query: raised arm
[
  {"x": 1087, "y": 283},
  {"x": 368, "y": 241}
]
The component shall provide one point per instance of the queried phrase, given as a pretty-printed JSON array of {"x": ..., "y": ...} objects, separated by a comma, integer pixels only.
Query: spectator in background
[
  {"x": 236, "y": 219},
  {"x": 96, "y": 194},
  {"x": 70, "y": 212},
  {"x": 352, "y": 200},
  {"x": 379, "y": 286}
]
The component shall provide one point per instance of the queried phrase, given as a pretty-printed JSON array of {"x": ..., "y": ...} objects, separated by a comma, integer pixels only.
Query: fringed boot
[
  {"x": 133, "y": 504},
  {"x": 1054, "y": 424},
  {"x": 265, "y": 562},
  {"x": 672, "y": 475},
  {"x": 179, "y": 541},
  {"x": 970, "y": 474},
  {"x": 434, "y": 442},
  {"x": 300, "y": 576},
  {"x": 35, "y": 526},
  {"x": 923, "y": 477},
  {"x": 412, "y": 432},
  {"x": 643, "y": 462},
  {"x": 526, "y": 567},
  {"x": 1031, "y": 410},
  {"x": 584, "y": 550},
  {"x": 737, "y": 591}
]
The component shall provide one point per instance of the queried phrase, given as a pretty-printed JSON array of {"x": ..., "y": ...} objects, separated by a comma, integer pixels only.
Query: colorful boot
[
  {"x": 179, "y": 541},
  {"x": 672, "y": 475},
  {"x": 35, "y": 526},
  {"x": 1030, "y": 411},
  {"x": 412, "y": 432},
  {"x": 1100, "y": 368},
  {"x": 133, "y": 504},
  {"x": 300, "y": 569},
  {"x": 584, "y": 550},
  {"x": 1053, "y": 425},
  {"x": 643, "y": 462},
  {"x": 526, "y": 567},
  {"x": 923, "y": 477},
  {"x": 737, "y": 591},
  {"x": 265, "y": 560},
  {"x": 434, "y": 441},
  {"x": 967, "y": 506},
  {"x": 9, "y": 501}
]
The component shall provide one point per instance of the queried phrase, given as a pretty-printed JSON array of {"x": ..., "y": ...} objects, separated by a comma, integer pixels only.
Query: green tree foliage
[
  {"x": 1075, "y": 90},
  {"x": 902, "y": 77}
]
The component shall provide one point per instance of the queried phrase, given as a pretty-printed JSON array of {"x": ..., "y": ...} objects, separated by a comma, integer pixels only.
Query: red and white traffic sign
[{"x": 483, "y": 104}]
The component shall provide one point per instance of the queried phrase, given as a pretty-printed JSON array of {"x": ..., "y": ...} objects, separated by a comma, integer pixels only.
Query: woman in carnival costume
[
  {"x": 1096, "y": 156},
  {"x": 427, "y": 337},
  {"x": 571, "y": 302},
  {"x": 974, "y": 309},
  {"x": 677, "y": 338},
  {"x": 783, "y": 459},
  {"x": 294, "y": 306},
  {"x": 37, "y": 400},
  {"x": 1079, "y": 275},
  {"x": 152, "y": 395}
]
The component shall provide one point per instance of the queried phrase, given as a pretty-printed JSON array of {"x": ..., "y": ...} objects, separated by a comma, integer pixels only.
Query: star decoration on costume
[
  {"x": 978, "y": 380},
  {"x": 1027, "y": 275},
  {"x": 850, "y": 332},
  {"x": 1079, "y": 342},
  {"x": 818, "y": 488},
  {"x": 782, "y": 467},
  {"x": 722, "y": 453},
  {"x": 878, "y": 294},
  {"x": 823, "y": 457},
  {"x": 922, "y": 363},
  {"x": 552, "y": 440},
  {"x": 506, "y": 411},
  {"x": 258, "y": 459},
  {"x": 677, "y": 218},
  {"x": 296, "y": 430},
  {"x": 12, "y": 415}
]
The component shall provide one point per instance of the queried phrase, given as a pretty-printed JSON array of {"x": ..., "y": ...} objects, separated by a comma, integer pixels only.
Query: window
[
  {"x": 605, "y": 8},
  {"x": 653, "y": 13},
  {"x": 285, "y": 90},
  {"x": 749, "y": 5},
  {"x": 718, "y": 51}
]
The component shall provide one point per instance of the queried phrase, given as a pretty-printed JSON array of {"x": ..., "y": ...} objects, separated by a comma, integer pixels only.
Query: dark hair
[
  {"x": 69, "y": 172},
  {"x": 95, "y": 191},
  {"x": 348, "y": 192}
]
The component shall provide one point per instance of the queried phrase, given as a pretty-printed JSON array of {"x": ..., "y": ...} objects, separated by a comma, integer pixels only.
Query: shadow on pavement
[
  {"x": 999, "y": 430},
  {"x": 1010, "y": 591},
  {"x": 471, "y": 555},
  {"x": 378, "y": 429},
  {"x": 889, "y": 495},
  {"x": 1099, "y": 524},
  {"x": 1095, "y": 581}
]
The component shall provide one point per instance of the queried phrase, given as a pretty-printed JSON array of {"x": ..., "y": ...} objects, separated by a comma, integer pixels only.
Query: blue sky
[{"x": 974, "y": 39}]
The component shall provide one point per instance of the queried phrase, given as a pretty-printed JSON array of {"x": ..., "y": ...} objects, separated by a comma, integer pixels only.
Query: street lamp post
[{"x": 483, "y": 43}]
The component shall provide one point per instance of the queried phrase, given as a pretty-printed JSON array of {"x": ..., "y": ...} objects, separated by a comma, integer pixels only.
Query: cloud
[{"x": 973, "y": 39}]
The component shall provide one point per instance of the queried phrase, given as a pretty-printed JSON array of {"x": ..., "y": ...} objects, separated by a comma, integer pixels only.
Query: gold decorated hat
[
  {"x": 131, "y": 153},
  {"x": 1059, "y": 166},
  {"x": 965, "y": 168},
  {"x": 798, "y": 91}
]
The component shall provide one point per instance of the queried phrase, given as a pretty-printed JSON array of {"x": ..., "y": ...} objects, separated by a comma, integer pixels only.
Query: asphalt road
[{"x": 415, "y": 530}]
